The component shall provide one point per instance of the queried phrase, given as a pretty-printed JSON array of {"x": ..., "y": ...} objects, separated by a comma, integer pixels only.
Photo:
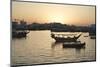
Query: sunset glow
[{"x": 46, "y": 13}]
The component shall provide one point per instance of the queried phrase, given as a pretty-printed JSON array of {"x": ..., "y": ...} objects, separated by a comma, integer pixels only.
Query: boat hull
[
  {"x": 65, "y": 40},
  {"x": 74, "y": 45}
]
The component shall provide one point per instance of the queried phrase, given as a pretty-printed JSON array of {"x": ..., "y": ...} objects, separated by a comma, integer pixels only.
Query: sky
[{"x": 49, "y": 13}]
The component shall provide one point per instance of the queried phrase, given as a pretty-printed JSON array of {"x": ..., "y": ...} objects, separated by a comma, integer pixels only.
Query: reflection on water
[{"x": 40, "y": 48}]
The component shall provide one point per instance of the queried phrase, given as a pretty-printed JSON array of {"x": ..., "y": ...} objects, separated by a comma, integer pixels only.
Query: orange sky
[{"x": 46, "y": 13}]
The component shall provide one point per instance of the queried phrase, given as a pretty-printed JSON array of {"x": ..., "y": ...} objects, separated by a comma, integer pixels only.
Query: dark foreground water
[{"x": 40, "y": 48}]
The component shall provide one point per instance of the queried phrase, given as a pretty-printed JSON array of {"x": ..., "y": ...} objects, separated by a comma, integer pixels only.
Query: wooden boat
[
  {"x": 19, "y": 34},
  {"x": 77, "y": 44},
  {"x": 64, "y": 39}
]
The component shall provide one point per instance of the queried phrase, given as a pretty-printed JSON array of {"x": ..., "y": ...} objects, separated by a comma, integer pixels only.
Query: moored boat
[
  {"x": 77, "y": 44},
  {"x": 64, "y": 38},
  {"x": 19, "y": 34},
  {"x": 93, "y": 37}
]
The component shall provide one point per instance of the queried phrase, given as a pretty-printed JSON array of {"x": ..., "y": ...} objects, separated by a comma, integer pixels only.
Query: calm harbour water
[{"x": 40, "y": 48}]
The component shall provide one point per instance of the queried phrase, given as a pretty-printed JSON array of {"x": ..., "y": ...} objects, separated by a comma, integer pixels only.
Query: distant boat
[
  {"x": 92, "y": 34},
  {"x": 77, "y": 44},
  {"x": 65, "y": 39},
  {"x": 93, "y": 37},
  {"x": 19, "y": 34}
]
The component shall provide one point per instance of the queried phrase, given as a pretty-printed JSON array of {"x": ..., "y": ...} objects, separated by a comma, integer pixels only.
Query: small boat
[
  {"x": 93, "y": 37},
  {"x": 65, "y": 39},
  {"x": 19, "y": 34},
  {"x": 77, "y": 44}
]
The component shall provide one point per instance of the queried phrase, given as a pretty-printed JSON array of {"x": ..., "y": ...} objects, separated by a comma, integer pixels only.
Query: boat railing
[{"x": 66, "y": 35}]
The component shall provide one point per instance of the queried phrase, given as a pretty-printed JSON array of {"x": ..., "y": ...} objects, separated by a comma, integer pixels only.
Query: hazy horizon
[{"x": 46, "y": 13}]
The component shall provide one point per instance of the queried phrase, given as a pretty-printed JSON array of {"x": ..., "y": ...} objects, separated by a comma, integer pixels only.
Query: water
[{"x": 39, "y": 48}]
